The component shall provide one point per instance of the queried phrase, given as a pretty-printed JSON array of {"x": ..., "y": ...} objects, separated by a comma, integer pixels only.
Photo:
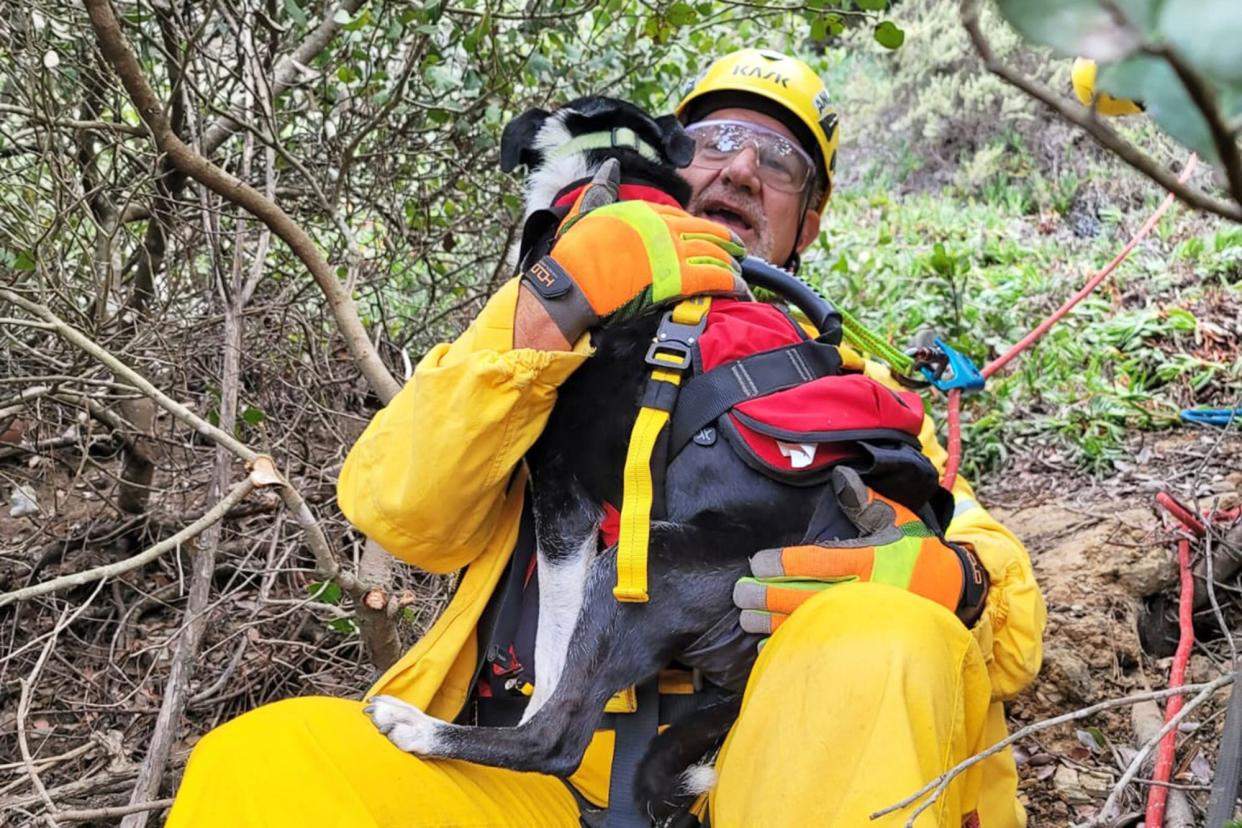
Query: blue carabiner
[
  {"x": 962, "y": 373},
  {"x": 1212, "y": 416}
]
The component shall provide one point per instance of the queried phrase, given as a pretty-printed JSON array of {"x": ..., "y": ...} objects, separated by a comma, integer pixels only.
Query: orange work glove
[
  {"x": 895, "y": 547},
  {"x": 617, "y": 259}
]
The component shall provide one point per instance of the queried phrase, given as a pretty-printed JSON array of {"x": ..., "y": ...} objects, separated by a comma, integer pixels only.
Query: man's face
[{"x": 733, "y": 195}]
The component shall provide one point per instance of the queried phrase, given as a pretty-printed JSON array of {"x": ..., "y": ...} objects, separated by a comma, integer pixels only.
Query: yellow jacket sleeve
[
  {"x": 427, "y": 478},
  {"x": 1010, "y": 633}
]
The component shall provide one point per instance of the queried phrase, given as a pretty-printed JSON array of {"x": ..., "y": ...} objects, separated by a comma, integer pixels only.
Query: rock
[
  {"x": 23, "y": 502},
  {"x": 1150, "y": 571},
  {"x": 1070, "y": 673},
  {"x": 1079, "y": 787}
]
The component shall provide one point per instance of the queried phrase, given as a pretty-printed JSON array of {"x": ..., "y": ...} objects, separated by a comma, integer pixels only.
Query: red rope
[
  {"x": 1158, "y": 793},
  {"x": 955, "y": 437},
  {"x": 1183, "y": 514}
]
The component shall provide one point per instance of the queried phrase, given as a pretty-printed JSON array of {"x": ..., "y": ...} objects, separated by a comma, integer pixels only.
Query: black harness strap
[
  {"x": 634, "y": 734},
  {"x": 498, "y": 626},
  {"x": 709, "y": 395}
]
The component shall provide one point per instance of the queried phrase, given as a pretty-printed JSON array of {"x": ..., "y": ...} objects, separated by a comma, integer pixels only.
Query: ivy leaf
[
  {"x": 24, "y": 260},
  {"x": 346, "y": 74},
  {"x": 1152, "y": 81},
  {"x": 888, "y": 35},
  {"x": 253, "y": 416},
  {"x": 872, "y": 5},
  {"x": 325, "y": 592}
]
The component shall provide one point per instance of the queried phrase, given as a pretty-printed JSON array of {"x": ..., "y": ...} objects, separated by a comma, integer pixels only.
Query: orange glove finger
[{"x": 810, "y": 561}]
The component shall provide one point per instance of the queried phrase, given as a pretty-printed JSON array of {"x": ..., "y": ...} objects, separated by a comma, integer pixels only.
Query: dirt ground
[{"x": 1098, "y": 548}]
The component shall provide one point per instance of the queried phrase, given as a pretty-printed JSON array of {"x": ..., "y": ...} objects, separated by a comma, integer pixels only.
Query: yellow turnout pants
[{"x": 865, "y": 694}]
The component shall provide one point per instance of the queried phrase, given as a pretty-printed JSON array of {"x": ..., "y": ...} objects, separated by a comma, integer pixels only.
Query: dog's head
[{"x": 567, "y": 146}]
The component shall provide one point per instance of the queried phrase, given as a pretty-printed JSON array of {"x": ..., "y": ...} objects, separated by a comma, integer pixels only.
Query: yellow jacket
[{"x": 436, "y": 480}]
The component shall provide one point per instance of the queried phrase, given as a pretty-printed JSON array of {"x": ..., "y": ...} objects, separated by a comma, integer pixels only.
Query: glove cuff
[
  {"x": 975, "y": 583},
  {"x": 560, "y": 295}
]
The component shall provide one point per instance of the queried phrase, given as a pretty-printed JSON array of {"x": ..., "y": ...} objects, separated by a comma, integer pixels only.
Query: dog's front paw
[{"x": 405, "y": 725}]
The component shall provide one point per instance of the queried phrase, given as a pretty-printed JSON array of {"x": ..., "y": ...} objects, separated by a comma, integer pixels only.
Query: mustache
[{"x": 737, "y": 200}]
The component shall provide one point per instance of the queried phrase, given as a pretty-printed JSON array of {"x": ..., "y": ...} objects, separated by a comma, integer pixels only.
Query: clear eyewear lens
[{"x": 781, "y": 164}]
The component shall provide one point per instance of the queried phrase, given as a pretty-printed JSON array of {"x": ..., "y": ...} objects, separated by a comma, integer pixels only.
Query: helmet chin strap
[{"x": 794, "y": 262}]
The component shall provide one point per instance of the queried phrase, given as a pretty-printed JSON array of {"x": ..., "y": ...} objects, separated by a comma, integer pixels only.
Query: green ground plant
[{"x": 981, "y": 273}]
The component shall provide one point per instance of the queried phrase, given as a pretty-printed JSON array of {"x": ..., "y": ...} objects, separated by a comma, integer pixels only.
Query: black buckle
[{"x": 674, "y": 339}]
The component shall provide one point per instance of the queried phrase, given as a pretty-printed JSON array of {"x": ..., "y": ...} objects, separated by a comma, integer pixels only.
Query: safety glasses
[{"x": 780, "y": 163}]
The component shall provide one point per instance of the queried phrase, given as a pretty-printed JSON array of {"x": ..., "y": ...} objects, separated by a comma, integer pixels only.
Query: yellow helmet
[
  {"x": 1083, "y": 78},
  {"x": 776, "y": 85}
]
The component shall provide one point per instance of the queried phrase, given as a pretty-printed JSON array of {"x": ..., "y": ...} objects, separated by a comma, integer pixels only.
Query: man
[{"x": 866, "y": 691}]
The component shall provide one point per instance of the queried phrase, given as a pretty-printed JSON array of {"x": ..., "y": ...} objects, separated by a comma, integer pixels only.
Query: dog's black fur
[{"x": 719, "y": 512}]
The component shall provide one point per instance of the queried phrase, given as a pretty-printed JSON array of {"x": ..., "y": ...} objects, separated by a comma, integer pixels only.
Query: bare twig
[
  {"x": 1136, "y": 763},
  {"x": 288, "y": 69},
  {"x": 941, "y": 783},
  {"x": 1147, "y": 720},
  {"x": 236, "y": 495},
  {"x": 91, "y": 814},
  {"x": 1085, "y": 118},
  {"x": 70, "y": 123},
  {"x": 117, "y": 53},
  {"x": 325, "y": 559}
]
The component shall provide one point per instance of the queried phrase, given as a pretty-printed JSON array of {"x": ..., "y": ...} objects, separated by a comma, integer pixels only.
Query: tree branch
[
  {"x": 284, "y": 75},
  {"x": 117, "y": 53},
  {"x": 325, "y": 560},
  {"x": 1085, "y": 118},
  {"x": 1205, "y": 100},
  {"x": 235, "y": 495}
]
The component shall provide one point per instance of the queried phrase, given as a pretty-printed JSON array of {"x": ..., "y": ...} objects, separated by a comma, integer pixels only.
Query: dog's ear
[
  {"x": 678, "y": 146},
  {"x": 516, "y": 140}
]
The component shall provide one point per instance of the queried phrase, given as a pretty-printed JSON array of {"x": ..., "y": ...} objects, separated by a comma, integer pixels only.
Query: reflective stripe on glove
[
  {"x": 617, "y": 259},
  {"x": 894, "y": 547}
]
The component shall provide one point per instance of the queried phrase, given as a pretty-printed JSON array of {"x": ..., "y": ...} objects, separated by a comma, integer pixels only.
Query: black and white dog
[{"x": 588, "y": 645}]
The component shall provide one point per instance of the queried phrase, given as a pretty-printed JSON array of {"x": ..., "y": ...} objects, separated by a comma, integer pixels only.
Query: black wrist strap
[
  {"x": 975, "y": 583},
  {"x": 561, "y": 297}
]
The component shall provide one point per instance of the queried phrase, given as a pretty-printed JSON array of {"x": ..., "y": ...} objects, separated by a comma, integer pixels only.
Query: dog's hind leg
[
  {"x": 553, "y": 739},
  {"x": 612, "y": 646},
  {"x": 567, "y": 528}
]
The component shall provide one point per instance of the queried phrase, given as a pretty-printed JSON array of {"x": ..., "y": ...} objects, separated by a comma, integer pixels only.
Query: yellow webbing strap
[{"x": 638, "y": 490}]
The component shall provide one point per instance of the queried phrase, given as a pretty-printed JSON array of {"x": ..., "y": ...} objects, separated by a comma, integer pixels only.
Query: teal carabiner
[{"x": 961, "y": 372}]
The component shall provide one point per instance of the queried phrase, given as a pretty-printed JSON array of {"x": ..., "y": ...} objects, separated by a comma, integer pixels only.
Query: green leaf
[
  {"x": 295, "y": 11},
  {"x": 888, "y": 35},
  {"x": 1153, "y": 82},
  {"x": 363, "y": 18},
  {"x": 681, "y": 14},
  {"x": 346, "y": 74},
  {"x": 872, "y": 5},
  {"x": 344, "y": 626},
  {"x": 326, "y": 592},
  {"x": 1080, "y": 27},
  {"x": 1209, "y": 34},
  {"x": 819, "y": 28},
  {"x": 253, "y": 416},
  {"x": 24, "y": 260}
]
